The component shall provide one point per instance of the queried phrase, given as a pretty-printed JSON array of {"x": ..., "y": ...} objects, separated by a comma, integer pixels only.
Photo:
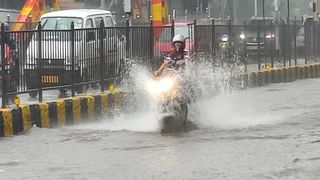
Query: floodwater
[{"x": 272, "y": 132}]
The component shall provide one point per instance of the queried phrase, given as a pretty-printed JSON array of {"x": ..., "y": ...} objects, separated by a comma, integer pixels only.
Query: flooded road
[{"x": 272, "y": 132}]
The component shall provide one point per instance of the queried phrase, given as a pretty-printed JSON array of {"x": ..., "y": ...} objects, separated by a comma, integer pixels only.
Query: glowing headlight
[
  {"x": 159, "y": 87},
  {"x": 242, "y": 36},
  {"x": 224, "y": 39},
  {"x": 269, "y": 36}
]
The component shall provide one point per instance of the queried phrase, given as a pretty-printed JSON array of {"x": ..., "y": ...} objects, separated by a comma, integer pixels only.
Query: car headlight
[{"x": 269, "y": 36}]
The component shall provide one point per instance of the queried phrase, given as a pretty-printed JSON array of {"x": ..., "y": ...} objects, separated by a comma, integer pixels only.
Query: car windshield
[
  {"x": 165, "y": 35},
  {"x": 60, "y": 23},
  {"x": 55, "y": 28}
]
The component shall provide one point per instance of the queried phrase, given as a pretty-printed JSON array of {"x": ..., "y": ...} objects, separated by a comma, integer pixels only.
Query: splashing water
[{"x": 214, "y": 102}]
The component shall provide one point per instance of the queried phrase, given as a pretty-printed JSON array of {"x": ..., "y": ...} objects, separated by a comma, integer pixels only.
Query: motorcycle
[{"x": 167, "y": 90}]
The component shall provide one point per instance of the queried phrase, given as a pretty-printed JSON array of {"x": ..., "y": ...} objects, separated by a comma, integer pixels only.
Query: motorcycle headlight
[
  {"x": 161, "y": 86},
  {"x": 225, "y": 39}
]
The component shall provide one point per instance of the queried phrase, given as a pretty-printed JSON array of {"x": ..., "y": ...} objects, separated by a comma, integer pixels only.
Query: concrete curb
[
  {"x": 281, "y": 75},
  {"x": 57, "y": 113}
]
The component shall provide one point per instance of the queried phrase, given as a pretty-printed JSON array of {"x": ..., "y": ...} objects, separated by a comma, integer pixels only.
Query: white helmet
[{"x": 178, "y": 38}]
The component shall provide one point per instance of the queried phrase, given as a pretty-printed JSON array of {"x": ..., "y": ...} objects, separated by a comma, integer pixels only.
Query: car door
[
  {"x": 89, "y": 57},
  {"x": 114, "y": 45}
]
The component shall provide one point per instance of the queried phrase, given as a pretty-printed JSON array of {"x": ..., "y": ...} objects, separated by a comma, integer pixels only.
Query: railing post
[
  {"x": 272, "y": 44},
  {"x": 72, "y": 59},
  {"x": 40, "y": 61},
  {"x": 305, "y": 44},
  {"x": 9, "y": 21},
  {"x": 245, "y": 45},
  {"x": 317, "y": 40},
  {"x": 196, "y": 40},
  {"x": 172, "y": 29},
  {"x": 101, "y": 55},
  {"x": 29, "y": 23},
  {"x": 314, "y": 39},
  {"x": 127, "y": 37},
  {"x": 284, "y": 44},
  {"x": 289, "y": 40},
  {"x": 3, "y": 67},
  {"x": 229, "y": 32},
  {"x": 151, "y": 53},
  {"x": 295, "y": 41},
  {"x": 213, "y": 36},
  {"x": 259, "y": 48}
]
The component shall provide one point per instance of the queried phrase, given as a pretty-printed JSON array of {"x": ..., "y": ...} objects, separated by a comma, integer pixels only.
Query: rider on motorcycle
[{"x": 177, "y": 58}]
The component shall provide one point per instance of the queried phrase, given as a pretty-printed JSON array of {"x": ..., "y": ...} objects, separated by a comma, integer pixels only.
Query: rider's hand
[{"x": 156, "y": 73}]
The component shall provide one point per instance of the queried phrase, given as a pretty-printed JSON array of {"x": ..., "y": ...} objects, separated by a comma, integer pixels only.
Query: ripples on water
[{"x": 262, "y": 133}]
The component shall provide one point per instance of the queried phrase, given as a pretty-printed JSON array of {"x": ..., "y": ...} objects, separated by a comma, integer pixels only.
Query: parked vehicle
[
  {"x": 56, "y": 51},
  {"x": 164, "y": 44},
  {"x": 256, "y": 30}
]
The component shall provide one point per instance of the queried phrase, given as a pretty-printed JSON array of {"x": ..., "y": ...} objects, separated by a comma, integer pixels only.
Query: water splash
[
  {"x": 140, "y": 113},
  {"x": 214, "y": 101},
  {"x": 235, "y": 110}
]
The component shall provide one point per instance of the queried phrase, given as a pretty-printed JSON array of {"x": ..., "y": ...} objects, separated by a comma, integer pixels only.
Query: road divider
[
  {"x": 62, "y": 112},
  {"x": 281, "y": 75}
]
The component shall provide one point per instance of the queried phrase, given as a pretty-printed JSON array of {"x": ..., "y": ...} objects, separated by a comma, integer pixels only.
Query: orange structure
[
  {"x": 33, "y": 9},
  {"x": 159, "y": 15}
]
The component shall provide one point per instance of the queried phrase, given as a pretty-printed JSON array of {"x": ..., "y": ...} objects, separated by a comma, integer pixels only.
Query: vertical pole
[
  {"x": 295, "y": 41},
  {"x": 102, "y": 55},
  {"x": 172, "y": 29},
  {"x": 284, "y": 44},
  {"x": 272, "y": 44},
  {"x": 29, "y": 23},
  {"x": 173, "y": 14},
  {"x": 213, "y": 37},
  {"x": 8, "y": 18},
  {"x": 264, "y": 33},
  {"x": 102, "y": 4},
  {"x": 255, "y": 8},
  {"x": 40, "y": 61},
  {"x": 259, "y": 48},
  {"x": 149, "y": 10},
  {"x": 289, "y": 33},
  {"x": 127, "y": 37},
  {"x": 72, "y": 59},
  {"x": 314, "y": 10},
  {"x": 195, "y": 36},
  {"x": 305, "y": 44},
  {"x": 8, "y": 21},
  {"x": 229, "y": 32},
  {"x": 314, "y": 35},
  {"x": 152, "y": 44},
  {"x": 245, "y": 45},
  {"x": 3, "y": 69},
  {"x": 315, "y": 19}
]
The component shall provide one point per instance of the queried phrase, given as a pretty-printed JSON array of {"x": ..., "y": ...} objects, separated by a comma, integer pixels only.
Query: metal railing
[{"x": 33, "y": 61}]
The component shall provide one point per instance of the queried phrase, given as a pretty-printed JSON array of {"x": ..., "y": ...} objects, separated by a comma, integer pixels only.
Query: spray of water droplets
[{"x": 213, "y": 93}]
